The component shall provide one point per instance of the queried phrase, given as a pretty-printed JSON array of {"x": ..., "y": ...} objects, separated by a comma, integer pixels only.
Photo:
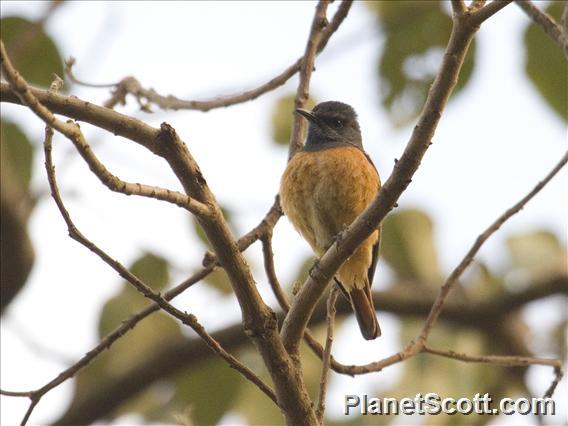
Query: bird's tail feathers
[{"x": 362, "y": 304}]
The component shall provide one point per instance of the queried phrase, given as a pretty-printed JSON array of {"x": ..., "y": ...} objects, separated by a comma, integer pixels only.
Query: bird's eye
[{"x": 338, "y": 123}]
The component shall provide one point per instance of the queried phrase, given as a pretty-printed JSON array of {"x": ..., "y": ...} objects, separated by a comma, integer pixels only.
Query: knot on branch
[
  {"x": 167, "y": 135},
  {"x": 209, "y": 258},
  {"x": 261, "y": 329}
]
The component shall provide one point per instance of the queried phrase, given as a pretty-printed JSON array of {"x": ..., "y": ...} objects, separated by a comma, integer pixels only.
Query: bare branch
[
  {"x": 331, "y": 301},
  {"x": 487, "y": 11},
  {"x": 506, "y": 361},
  {"x": 315, "y": 346},
  {"x": 303, "y": 92},
  {"x": 81, "y": 110},
  {"x": 27, "y": 394},
  {"x": 268, "y": 257},
  {"x": 305, "y": 301},
  {"x": 129, "y": 85},
  {"x": 189, "y": 320},
  {"x": 73, "y": 133},
  {"x": 458, "y": 6},
  {"x": 546, "y": 23},
  {"x": 69, "y": 63},
  {"x": 456, "y": 273},
  {"x": 477, "y": 4},
  {"x": 125, "y": 326},
  {"x": 169, "y": 359}
]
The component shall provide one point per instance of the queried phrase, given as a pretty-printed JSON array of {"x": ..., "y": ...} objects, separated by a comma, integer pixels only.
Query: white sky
[{"x": 495, "y": 141}]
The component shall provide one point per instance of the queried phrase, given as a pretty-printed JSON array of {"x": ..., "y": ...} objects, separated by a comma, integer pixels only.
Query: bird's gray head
[{"x": 332, "y": 124}]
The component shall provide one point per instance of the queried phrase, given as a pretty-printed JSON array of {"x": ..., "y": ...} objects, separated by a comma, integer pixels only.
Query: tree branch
[
  {"x": 190, "y": 320},
  {"x": 546, "y": 23},
  {"x": 458, "y": 6},
  {"x": 114, "y": 122},
  {"x": 303, "y": 91},
  {"x": 315, "y": 346},
  {"x": 130, "y": 85},
  {"x": 259, "y": 320},
  {"x": 506, "y": 361},
  {"x": 128, "y": 324},
  {"x": 292, "y": 331},
  {"x": 456, "y": 273},
  {"x": 73, "y": 133},
  {"x": 487, "y": 11},
  {"x": 326, "y": 356},
  {"x": 178, "y": 355}
]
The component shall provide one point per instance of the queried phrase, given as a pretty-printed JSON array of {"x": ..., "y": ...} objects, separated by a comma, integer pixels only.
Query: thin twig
[
  {"x": 506, "y": 361},
  {"x": 130, "y": 85},
  {"x": 477, "y": 4},
  {"x": 303, "y": 91},
  {"x": 128, "y": 324},
  {"x": 73, "y": 133},
  {"x": 268, "y": 257},
  {"x": 314, "y": 345},
  {"x": 487, "y": 11},
  {"x": 69, "y": 63},
  {"x": 188, "y": 319},
  {"x": 458, "y": 6},
  {"x": 26, "y": 394},
  {"x": 456, "y": 273},
  {"x": 477, "y": 316},
  {"x": 331, "y": 301},
  {"x": 463, "y": 31},
  {"x": 546, "y": 23},
  {"x": 417, "y": 345}
]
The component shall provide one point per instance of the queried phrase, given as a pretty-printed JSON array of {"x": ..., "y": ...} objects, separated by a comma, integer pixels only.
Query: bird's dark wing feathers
[{"x": 374, "y": 258}]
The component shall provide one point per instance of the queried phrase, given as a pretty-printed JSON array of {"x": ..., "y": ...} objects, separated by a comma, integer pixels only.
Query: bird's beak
[{"x": 310, "y": 116}]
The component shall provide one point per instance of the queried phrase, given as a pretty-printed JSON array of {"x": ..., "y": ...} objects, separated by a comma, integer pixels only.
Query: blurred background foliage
[{"x": 415, "y": 34}]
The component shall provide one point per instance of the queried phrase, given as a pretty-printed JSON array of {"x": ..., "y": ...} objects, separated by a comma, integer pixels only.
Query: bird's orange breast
[{"x": 321, "y": 192}]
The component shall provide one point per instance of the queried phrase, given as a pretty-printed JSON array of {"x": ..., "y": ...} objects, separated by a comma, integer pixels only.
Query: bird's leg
[
  {"x": 339, "y": 236},
  {"x": 296, "y": 287},
  {"x": 313, "y": 267}
]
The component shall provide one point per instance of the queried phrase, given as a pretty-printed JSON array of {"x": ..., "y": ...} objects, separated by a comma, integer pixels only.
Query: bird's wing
[{"x": 374, "y": 258}]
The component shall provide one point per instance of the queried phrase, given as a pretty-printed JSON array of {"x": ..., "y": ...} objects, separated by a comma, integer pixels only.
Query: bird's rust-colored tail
[{"x": 362, "y": 304}]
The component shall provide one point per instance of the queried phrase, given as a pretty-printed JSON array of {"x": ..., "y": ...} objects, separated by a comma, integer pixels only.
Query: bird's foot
[
  {"x": 339, "y": 236},
  {"x": 313, "y": 267},
  {"x": 296, "y": 287}
]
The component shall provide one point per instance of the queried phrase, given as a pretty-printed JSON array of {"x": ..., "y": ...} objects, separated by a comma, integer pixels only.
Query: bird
[{"x": 324, "y": 187}]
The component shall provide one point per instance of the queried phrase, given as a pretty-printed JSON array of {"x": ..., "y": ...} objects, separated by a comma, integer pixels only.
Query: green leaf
[
  {"x": 546, "y": 65},
  {"x": 482, "y": 283},
  {"x": 157, "y": 330},
  {"x": 408, "y": 246},
  {"x": 16, "y": 253},
  {"x": 17, "y": 152},
  {"x": 282, "y": 117},
  {"x": 219, "y": 280},
  {"x": 258, "y": 409},
  {"x": 416, "y": 34},
  {"x": 538, "y": 253},
  {"x": 207, "y": 391},
  {"x": 153, "y": 271},
  {"x": 31, "y": 50}
]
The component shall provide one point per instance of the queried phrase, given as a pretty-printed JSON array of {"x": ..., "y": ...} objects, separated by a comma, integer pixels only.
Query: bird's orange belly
[{"x": 322, "y": 192}]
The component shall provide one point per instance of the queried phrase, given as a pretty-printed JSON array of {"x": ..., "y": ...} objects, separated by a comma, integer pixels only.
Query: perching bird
[{"x": 324, "y": 188}]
